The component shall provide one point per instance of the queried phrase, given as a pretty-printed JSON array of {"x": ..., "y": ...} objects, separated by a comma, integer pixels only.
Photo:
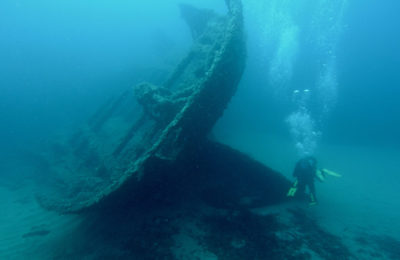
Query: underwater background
[{"x": 322, "y": 78}]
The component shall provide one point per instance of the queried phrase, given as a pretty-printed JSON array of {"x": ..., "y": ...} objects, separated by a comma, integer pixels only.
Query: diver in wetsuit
[{"x": 305, "y": 172}]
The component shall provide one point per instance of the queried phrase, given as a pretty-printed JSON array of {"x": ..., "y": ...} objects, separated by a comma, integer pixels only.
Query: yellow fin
[
  {"x": 292, "y": 190},
  {"x": 331, "y": 173}
]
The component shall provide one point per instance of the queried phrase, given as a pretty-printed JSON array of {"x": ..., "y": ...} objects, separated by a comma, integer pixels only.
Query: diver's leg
[
  {"x": 313, "y": 198},
  {"x": 301, "y": 188}
]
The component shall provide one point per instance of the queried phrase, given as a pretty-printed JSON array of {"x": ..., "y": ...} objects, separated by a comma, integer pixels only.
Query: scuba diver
[{"x": 305, "y": 172}]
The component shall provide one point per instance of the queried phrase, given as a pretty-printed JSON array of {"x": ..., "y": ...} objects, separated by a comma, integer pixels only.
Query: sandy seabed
[{"x": 357, "y": 216}]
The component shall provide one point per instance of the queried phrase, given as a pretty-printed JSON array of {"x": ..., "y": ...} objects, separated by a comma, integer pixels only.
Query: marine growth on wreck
[{"x": 111, "y": 153}]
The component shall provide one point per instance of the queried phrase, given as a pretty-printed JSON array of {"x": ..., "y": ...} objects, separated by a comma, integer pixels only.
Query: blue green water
[
  {"x": 322, "y": 78},
  {"x": 57, "y": 54},
  {"x": 353, "y": 43}
]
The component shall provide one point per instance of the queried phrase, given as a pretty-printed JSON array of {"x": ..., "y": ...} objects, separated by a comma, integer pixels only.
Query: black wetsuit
[{"x": 305, "y": 173}]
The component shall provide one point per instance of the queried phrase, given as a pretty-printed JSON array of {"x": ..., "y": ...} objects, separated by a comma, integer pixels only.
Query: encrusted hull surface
[{"x": 150, "y": 124}]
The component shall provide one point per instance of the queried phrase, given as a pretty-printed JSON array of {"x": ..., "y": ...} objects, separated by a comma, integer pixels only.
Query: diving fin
[
  {"x": 331, "y": 173},
  {"x": 313, "y": 201},
  {"x": 292, "y": 190}
]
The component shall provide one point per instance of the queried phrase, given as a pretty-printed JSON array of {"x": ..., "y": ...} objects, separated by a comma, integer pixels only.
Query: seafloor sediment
[{"x": 201, "y": 216}]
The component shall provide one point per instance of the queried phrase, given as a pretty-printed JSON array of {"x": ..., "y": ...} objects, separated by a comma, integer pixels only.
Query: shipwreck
[{"x": 122, "y": 149}]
